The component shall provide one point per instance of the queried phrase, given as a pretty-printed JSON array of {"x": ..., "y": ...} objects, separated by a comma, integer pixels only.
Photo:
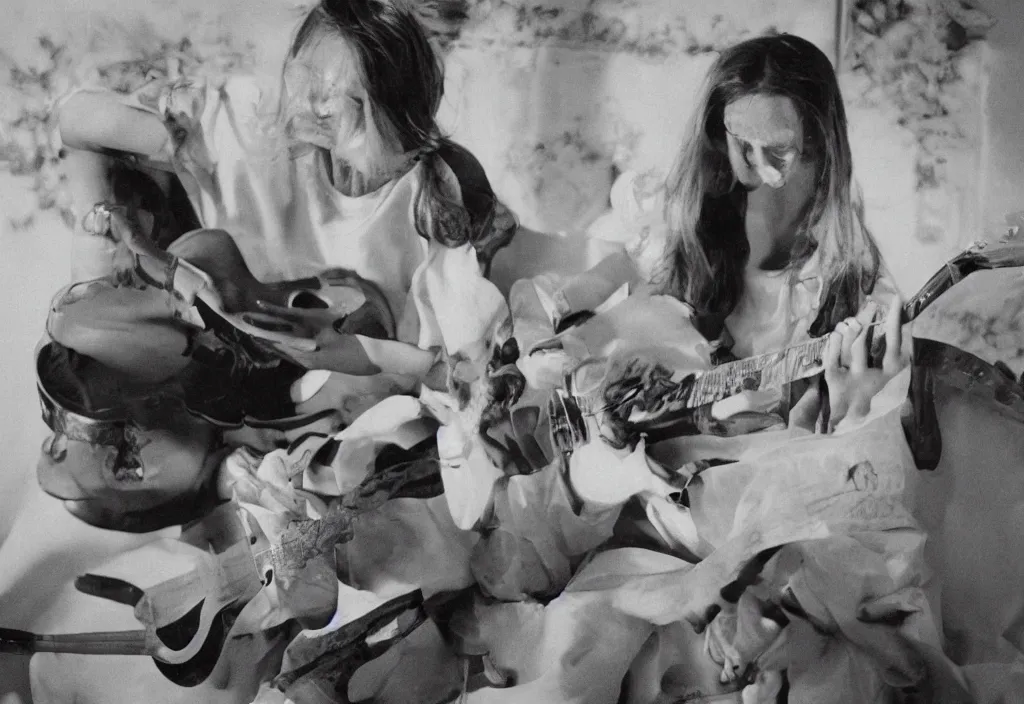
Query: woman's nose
[
  {"x": 321, "y": 106},
  {"x": 772, "y": 175}
]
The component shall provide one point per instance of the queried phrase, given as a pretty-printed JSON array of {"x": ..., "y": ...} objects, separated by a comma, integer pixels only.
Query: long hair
[
  {"x": 704, "y": 209},
  {"x": 404, "y": 80}
]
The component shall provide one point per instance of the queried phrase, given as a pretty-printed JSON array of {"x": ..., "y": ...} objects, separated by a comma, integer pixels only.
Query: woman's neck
[
  {"x": 774, "y": 218},
  {"x": 353, "y": 182}
]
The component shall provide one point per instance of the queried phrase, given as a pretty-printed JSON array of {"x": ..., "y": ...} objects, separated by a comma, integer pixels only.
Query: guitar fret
[
  {"x": 766, "y": 371},
  {"x": 688, "y": 390}
]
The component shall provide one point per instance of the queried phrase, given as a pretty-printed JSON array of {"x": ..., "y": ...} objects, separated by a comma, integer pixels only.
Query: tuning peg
[
  {"x": 109, "y": 588},
  {"x": 97, "y": 221},
  {"x": 1014, "y": 222}
]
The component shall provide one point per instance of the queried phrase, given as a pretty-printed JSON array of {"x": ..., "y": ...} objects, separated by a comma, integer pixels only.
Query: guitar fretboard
[
  {"x": 690, "y": 390},
  {"x": 767, "y": 371}
]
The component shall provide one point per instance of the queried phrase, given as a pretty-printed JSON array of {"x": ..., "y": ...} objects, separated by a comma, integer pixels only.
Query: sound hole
[
  {"x": 572, "y": 320},
  {"x": 178, "y": 634},
  {"x": 308, "y": 299}
]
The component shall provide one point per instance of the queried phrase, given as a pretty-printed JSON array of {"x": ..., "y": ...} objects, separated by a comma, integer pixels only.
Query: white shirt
[
  {"x": 775, "y": 310},
  {"x": 290, "y": 222}
]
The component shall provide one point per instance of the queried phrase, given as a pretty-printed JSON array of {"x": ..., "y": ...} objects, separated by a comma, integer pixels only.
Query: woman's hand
[
  {"x": 168, "y": 271},
  {"x": 332, "y": 350},
  {"x": 113, "y": 220},
  {"x": 319, "y": 338},
  {"x": 852, "y": 380}
]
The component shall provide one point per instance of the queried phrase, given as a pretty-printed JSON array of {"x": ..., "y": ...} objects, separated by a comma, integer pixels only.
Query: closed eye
[
  {"x": 747, "y": 149},
  {"x": 777, "y": 158},
  {"x": 781, "y": 154}
]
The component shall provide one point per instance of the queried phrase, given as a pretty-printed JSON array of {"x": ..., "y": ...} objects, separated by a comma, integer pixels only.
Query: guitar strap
[
  {"x": 937, "y": 363},
  {"x": 920, "y": 421}
]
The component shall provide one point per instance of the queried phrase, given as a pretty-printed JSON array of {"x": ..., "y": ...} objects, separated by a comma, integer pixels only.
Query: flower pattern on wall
[
  {"x": 644, "y": 27},
  {"x": 111, "y": 55},
  {"x": 920, "y": 59}
]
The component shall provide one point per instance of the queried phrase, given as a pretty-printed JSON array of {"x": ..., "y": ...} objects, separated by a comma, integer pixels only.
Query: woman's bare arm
[{"x": 99, "y": 122}]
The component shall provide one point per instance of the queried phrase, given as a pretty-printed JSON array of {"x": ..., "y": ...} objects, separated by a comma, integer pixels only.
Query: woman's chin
[
  {"x": 297, "y": 150},
  {"x": 302, "y": 141}
]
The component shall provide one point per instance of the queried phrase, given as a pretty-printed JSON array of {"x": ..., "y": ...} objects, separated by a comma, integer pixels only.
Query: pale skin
[
  {"x": 336, "y": 349},
  {"x": 99, "y": 122},
  {"x": 326, "y": 109},
  {"x": 766, "y": 137}
]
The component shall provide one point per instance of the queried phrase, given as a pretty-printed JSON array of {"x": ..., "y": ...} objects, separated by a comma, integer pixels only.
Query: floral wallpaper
[
  {"x": 920, "y": 59},
  {"x": 914, "y": 80},
  {"x": 654, "y": 29},
  {"x": 29, "y": 144},
  {"x": 559, "y": 97}
]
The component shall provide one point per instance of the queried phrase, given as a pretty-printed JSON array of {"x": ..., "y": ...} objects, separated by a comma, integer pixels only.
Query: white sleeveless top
[
  {"x": 776, "y": 308},
  {"x": 290, "y": 222}
]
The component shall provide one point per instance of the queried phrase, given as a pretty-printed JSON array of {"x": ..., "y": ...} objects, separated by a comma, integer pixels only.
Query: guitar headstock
[{"x": 1005, "y": 251}]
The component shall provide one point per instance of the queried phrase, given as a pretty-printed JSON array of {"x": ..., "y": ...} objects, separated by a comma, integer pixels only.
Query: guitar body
[
  {"x": 246, "y": 656},
  {"x": 138, "y": 386}
]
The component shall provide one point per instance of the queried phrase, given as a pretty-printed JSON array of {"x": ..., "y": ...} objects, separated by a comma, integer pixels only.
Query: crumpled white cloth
[
  {"x": 458, "y": 308},
  {"x": 850, "y": 578},
  {"x": 537, "y": 535},
  {"x": 654, "y": 327},
  {"x": 578, "y": 649}
]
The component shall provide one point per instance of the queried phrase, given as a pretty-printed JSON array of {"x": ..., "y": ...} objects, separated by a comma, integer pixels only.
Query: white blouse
[
  {"x": 776, "y": 309},
  {"x": 290, "y": 221}
]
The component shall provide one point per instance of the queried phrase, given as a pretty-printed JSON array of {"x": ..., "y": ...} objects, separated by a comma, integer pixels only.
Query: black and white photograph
[{"x": 512, "y": 352}]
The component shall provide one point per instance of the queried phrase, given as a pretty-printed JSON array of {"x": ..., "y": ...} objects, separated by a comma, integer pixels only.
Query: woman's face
[
  {"x": 765, "y": 137},
  {"x": 325, "y": 101}
]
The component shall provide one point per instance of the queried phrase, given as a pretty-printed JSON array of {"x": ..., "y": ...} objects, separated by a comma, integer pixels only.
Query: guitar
[
  {"x": 338, "y": 313},
  {"x": 207, "y": 266},
  {"x": 649, "y": 399},
  {"x": 112, "y": 378},
  {"x": 205, "y": 601},
  {"x": 188, "y": 618}
]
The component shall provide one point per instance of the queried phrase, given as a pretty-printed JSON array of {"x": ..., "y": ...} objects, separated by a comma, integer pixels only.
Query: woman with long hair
[
  {"x": 348, "y": 174},
  {"x": 766, "y": 239},
  {"x": 766, "y": 563},
  {"x": 764, "y": 181},
  {"x": 349, "y": 169}
]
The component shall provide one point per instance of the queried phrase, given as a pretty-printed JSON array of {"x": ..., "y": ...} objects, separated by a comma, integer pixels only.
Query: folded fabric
[
  {"x": 577, "y": 649},
  {"x": 441, "y": 288},
  {"x": 536, "y": 536}
]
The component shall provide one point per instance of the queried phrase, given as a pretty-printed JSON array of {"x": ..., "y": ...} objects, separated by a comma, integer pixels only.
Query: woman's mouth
[{"x": 309, "y": 130}]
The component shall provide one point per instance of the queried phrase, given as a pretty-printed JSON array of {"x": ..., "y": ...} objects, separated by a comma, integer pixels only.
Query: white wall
[
  {"x": 985, "y": 314},
  {"x": 1004, "y": 148}
]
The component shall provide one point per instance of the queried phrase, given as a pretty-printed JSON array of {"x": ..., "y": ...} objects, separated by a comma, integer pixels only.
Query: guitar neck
[
  {"x": 759, "y": 373},
  {"x": 683, "y": 391},
  {"x": 773, "y": 370}
]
